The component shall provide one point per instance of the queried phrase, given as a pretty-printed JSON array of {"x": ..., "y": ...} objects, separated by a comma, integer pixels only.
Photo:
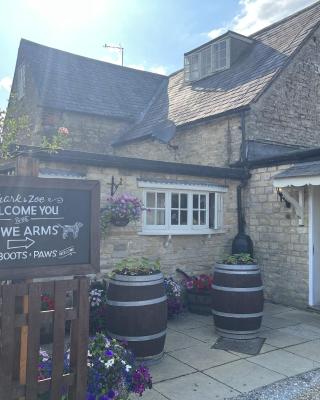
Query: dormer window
[
  {"x": 21, "y": 81},
  {"x": 214, "y": 56}
]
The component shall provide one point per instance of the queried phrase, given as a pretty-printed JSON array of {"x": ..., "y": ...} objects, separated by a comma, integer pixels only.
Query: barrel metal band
[
  {"x": 138, "y": 338},
  {"x": 137, "y": 278},
  {"x": 231, "y": 289},
  {"x": 136, "y": 303},
  {"x": 224, "y": 271},
  {"x": 237, "y": 267},
  {"x": 232, "y": 315},
  {"x": 140, "y": 283}
]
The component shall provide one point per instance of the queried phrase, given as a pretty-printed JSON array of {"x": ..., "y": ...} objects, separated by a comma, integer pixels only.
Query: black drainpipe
[{"x": 242, "y": 243}]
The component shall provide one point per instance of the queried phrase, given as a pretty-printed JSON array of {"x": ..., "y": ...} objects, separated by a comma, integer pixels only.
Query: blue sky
[{"x": 154, "y": 33}]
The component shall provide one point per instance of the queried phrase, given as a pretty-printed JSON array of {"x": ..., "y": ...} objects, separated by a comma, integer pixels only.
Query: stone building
[{"x": 243, "y": 110}]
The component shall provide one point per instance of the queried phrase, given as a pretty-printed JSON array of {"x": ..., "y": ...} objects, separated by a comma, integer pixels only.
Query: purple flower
[
  {"x": 111, "y": 394},
  {"x": 109, "y": 353}
]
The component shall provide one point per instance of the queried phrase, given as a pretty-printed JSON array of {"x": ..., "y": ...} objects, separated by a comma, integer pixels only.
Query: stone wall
[
  {"x": 288, "y": 112},
  {"x": 195, "y": 253},
  {"x": 216, "y": 143},
  {"x": 280, "y": 244}
]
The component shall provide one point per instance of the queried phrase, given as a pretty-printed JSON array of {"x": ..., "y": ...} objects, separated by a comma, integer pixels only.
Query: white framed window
[
  {"x": 210, "y": 59},
  {"x": 179, "y": 211},
  {"x": 21, "y": 81}
]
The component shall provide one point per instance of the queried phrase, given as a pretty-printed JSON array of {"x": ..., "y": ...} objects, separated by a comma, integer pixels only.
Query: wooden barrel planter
[
  {"x": 199, "y": 301},
  {"x": 137, "y": 313},
  {"x": 237, "y": 300}
]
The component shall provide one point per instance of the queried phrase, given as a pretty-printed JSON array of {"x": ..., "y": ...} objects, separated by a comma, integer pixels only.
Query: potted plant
[
  {"x": 137, "y": 306},
  {"x": 175, "y": 297},
  {"x": 122, "y": 209},
  {"x": 237, "y": 297},
  {"x": 198, "y": 292}
]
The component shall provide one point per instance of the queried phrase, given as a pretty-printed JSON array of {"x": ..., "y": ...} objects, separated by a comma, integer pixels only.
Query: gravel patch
[{"x": 301, "y": 387}]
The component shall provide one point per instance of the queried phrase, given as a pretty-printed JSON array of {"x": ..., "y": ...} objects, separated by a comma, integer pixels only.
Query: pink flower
[{"x": 63, "y": 131}]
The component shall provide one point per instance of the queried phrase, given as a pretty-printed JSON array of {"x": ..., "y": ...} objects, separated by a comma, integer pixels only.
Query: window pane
[
  {"x": 195, "y": 218},
  {"x": 206, "y": 61},
  {"x": 183, "y": 217},
  {"x": 195, "y": 201},
  {"x": 151, "y": 200},
  {"x": 183, "y": 201},
  {"x": 174, "y": 217},
  {"x": 203, "y": 201},
  {"x": 202, "y": 217},
  {"x": 174, "y": 200},
  {"x": 160, "y": 217},
  {"x": 151, "y": 217},
  {"x": 161, "y": 200}
]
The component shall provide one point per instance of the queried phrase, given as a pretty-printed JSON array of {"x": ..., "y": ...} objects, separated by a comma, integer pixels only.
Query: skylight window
[{"x": 21, "y": 81}]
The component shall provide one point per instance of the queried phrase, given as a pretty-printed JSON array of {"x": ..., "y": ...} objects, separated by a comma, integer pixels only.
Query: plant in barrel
[
  {"x": 137, "y": 307},
  {"x": 237, "y": 297}
]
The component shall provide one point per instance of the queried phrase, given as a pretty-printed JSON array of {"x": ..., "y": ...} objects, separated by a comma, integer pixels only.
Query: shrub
[{"x": 175, "y": 297}]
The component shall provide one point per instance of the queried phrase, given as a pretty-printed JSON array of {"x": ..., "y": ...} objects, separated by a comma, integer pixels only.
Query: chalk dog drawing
[{"x": 73, "y": 229}]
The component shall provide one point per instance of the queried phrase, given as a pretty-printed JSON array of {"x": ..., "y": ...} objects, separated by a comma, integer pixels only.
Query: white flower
[
  {"x": 109, "y": 363},
  {"x": 128, "y": 367}
]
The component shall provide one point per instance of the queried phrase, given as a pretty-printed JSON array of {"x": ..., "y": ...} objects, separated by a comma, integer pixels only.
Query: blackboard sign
[{"x": 48, "y": 227}]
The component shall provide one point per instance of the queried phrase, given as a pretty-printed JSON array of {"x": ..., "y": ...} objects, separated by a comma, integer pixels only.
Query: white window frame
[
  {"x": 189, "y": 229},
  {"x": 188, "y": 61}
]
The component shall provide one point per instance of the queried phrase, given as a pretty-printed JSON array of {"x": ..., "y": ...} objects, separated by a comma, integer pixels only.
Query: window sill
[{"x": 181, "y": 233}]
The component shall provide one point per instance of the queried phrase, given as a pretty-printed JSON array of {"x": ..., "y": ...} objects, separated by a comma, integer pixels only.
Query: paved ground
[{"x": 192, "y": 370}]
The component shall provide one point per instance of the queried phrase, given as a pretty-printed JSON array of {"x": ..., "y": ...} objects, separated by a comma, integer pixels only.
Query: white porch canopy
[{"x": 299, "y": 175}]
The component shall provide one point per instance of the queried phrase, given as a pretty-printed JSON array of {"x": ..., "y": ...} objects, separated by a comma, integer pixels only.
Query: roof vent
[{"x": 216, "y": 55}]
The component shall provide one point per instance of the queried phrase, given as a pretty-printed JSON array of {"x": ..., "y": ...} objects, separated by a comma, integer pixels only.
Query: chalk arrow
[{"x": 20, "y": 243}]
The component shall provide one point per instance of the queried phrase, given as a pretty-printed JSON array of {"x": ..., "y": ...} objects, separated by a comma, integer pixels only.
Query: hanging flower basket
[
  {"x": 120, "y": 210},
  {"x": 120, "y": 221}
]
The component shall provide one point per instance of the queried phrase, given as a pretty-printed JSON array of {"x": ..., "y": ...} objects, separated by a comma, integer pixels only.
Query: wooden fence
[{"x": 21, "y": 319}]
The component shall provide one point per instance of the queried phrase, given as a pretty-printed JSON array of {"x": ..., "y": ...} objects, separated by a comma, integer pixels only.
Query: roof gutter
[
  {"x": 298, "y": 156},
  {"x": 110, "y": 161}
]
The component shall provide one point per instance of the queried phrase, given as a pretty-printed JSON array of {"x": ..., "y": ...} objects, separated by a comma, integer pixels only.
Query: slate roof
[
  {"x": 156, "y": 104},
  {"x": 70, "y": 82},
  {"x": 180, "y": 103},
  {"x": 305, "y": 169}
]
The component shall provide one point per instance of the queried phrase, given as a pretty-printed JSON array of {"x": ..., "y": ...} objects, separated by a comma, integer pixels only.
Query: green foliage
[
  {"x": 241, "y": 258},
  {"x": 137, "y": 266},
  {"x": 105, "y": 221},
  {"x": 57, "y": 142},
  {"x": 10, "y": 125}
]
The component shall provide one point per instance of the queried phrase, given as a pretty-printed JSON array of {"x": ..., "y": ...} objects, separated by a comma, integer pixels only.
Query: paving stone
[
  {"x": 195, "y": 386},
  {"x": 272, "y": 309},
  {"x": 184, "y": 322},
  {"x": 148, "y": 395},
  {"x": 169, "y": 368},
  {"x": 285, "y": 363},
  {"x": 306, "y": 331},
  {"x": 243, "y": 375},
  {"x": 203, "y": 357},
  {"x": 301, "y": 317},
  {"x": 276, "y": 322},
  {"x": 205, "y": 333},
  {"x": 177, "y": 340},
  {"x": 309, "y": 350},
  {"x": 280, "y": 339}
]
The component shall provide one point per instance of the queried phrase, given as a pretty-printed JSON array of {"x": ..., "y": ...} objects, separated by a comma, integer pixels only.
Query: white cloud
[
  {"x": 5, "y": 83},
  {"x": 141, "y": 67},
  {"x": 256, "y": 14},
  {"x": 159, "y": 69}
]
